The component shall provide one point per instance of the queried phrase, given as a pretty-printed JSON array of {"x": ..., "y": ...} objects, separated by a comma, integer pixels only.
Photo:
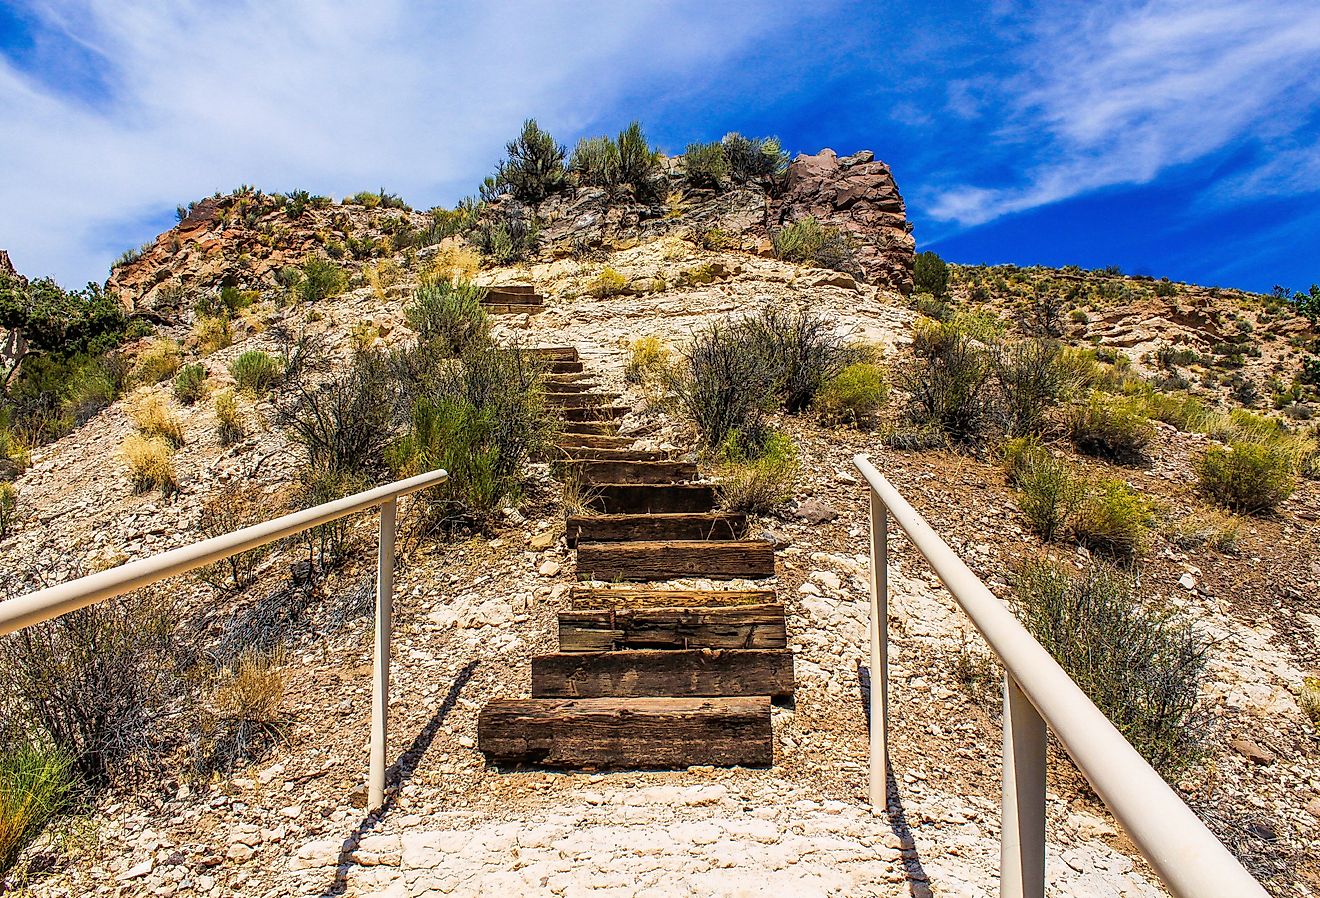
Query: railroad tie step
[
  {"x": 641, "y": 498},
  {"x": 592, "y": 428},
  {"x": 571, "y": 400},
  {"x": 555, "y": 353},
  {"x": 741, "y": 627},
  {"x": 645, "y": 733},
  {"x": 562, "y": 366},
  {"x": 591, "y": 598},
  {"x": 594, "y": 413},
  {"x": 610, "y": 453},
  {"x": 567, "y": 386},
  {"x": 653, "y": 472},
  {"x": 684, "y": 673},
  {"x": 651, "y": 527},
  {"x": 674, "y": 559},
  {"x": 512, "y": 308},
  {"x": 574, "y": 440}
]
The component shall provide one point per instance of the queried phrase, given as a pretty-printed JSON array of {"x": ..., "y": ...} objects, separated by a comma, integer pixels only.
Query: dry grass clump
[
  {"x": 608, "y": 283},
  {"x": 8, "y": 507},
  {"x": 1309, "y": 699},
  {"x": 157, "y": 362},
  {"x": 229, "y": 426},
  {"x": 36, "y": 783},
  {"x": 152, "y": 416},
  {"x": 1247, "y": 477},
  {"x": 853, "y": 395},
  {"x": 648, "y": 357},
  {"x": 757, "y": 480},
  {"x": 150, "y": 461},
  {"x": 452, "y": 261},
  {"x": 211, "y": 334},
  {"x": 1112, "y": 427}
]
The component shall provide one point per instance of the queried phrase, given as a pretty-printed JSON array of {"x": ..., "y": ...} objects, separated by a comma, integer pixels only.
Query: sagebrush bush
[
  {"x": 1142, "y": 667},
  {"x": 853, "y": 395},
  {"x": 36, "y": 783},
  {"x": 704, "y": 164},
  {"x": 722, "y": 387},
  {"x": 344, "y": 422},
  {"x": 595, "y": 162},
  {"x": 229, "y": 425},
  {"x": 648, "y": 357},
  {"x": 1112, "y": 517},
  {"x": 448, "y": 315},
  {"x": 506, "y": 234},
  {"x": 1029, "y": 383},
  {"x": 930, "y": 275},
  {"x": 152, "y": 416},
  {"x": 159, "y": 361},
  {"x": 800, "y": 349},
  {"x": 96, "y": 682},
  {"x": 945, "y": 381},
  {"x": 244, "y": 718},
  {"x": 255, "y": 371},
  {"x": 150, "y": 461},
  {"x": 1112, "y": 427},
  {"x": 608, "y": 283},
  {"x": 1245, "y": 476},
  {"x": 1050, "y": 492},
  {"x": 639, "y": 163},
  {"x": 8, "y": 507},
  {"x": 190, "y": 383},
  {"x": 321, "y": 279},
  {"x": 806, "y": 241},
  {"x": 754, "y": 158},
  {"x": 759, "y": 479},
  {"x": 534, "y": 168}
]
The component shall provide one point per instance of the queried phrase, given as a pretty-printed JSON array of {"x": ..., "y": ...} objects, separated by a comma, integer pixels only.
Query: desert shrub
[
  {"x": 321, "y": 279},
  {"x": 754, "y": 158},
  {"x": 704, "y": 165},
  {"x": 806, "y": 241},
  {"x": 480, "y": 419},
  {"x": 212, "y": 334},
  {"x": 244, "y": 716},
  {"x": 759, "y": 479},
  {"x": 854, "y": 394},
  {"x": 157, "y": 362},
  {"x": 799, "y": 349},
  {"x": 930, "y": 275},
  {"x": 448, "y": 315},
  {"x": 1142, "y": 667},
  {"x": 255, "y": 371},
  {"x": 722, "y": 387},
  {"x": 639, "y": 164},
  {"x": 1049, "y": 492},
  {"x": 534, "y": 168},
  {"x": 945, "y": 382},
  {"x": 506, "y": 234},
  {"x": 1111, "y": 427},
  {"x": 1187, "y": 413},
  {"x": 595, "y": 162},
  {"x": 1029, "y": 384},
  {"x": 37, "y": 782},
  {"x": 1112, "y": 517},
  {"x": 648, "y": 357},
  {"x": 1245, "y": 476},
  {"x": 229, "y": 425},
  {"x": 345, "y": 422},
  {"x": 451, "y": 261},
  {"x": 150, "y": 463},
  {"x": 232, "y": 507},
  {"x": 937, "y": 309},
  {"x": 153, "y": 418},
  {"x": 1308, "y": 697},
  {"x": 95, "y": 681},
  {"x": 329, "y": 545},
  {"x": 607, "y": 283},
  {"x": 190, "y": 383},
  {"x": 8, "y": 507}
]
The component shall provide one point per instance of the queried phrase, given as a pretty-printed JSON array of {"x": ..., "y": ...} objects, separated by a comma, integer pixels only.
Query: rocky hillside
[{"x": 471, "y": 612}]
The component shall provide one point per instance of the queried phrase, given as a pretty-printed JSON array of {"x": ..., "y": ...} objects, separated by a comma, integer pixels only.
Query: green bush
[
  {"x": 321, "y": 279},
  {"x": 759, "y": 480},
  {"x": 704, "y": 165},
  {"x": 595, "y": 162},
  {"x": 481, "y": 420},
  {"x": 946, "y": 381},
  {"x": 1049, "y": 491},
  {"x": 639, "y": 164},
  {"x": 344, "y": 422},
  {"x": 448, "y": 315},
  {"x": 255, "y": 371},
  {"x": 854, "y": 394},
  {"x": 190, "y": 383},
  {"x": 1245, "y": 476},
  {"x": 534, "y": 168},
  {"x": 8, "y": 507},
  {"x": 754, "y": 158},
  {"x": 806, "y": 241},
  {"x": 608, "y": 283},
  {"x": 722, "y": 387},
  {"x": 228, "y": 421},
  {"x": 1142, "y": 667},
  {"x": 930, "y": 275},
  {"x": 1112, "y": 517},
  {"x": 506, "y": 234},
  {"x": 1029, "y": 382},
  {"x": 36, "y": 784},
  {"x": 159, "y": 361},
  {"x": 799, "y": 349},
  {"x": 1112, "y": 427}
]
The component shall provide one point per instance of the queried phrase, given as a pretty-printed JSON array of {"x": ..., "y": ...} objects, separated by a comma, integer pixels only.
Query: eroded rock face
[
  {"x": 6, "y": 266},
  {"x": 857, "y": 195}
]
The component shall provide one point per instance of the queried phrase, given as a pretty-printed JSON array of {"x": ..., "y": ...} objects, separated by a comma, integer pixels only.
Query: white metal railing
[
  {"x": 1037, "y": 692},
  {"x": 49, "y": 603}
]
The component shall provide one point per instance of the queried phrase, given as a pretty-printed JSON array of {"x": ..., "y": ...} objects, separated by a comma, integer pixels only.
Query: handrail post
[
  {"x": 380, "y": 680},
  {"x": 879, "y": 631},
  {"x": 1022, "y": 838}
]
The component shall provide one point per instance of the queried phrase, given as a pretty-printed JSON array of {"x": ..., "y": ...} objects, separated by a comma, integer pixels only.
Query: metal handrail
[
  {"x": 1188, "y": 858},
  {"x": 49, "y": 603}
]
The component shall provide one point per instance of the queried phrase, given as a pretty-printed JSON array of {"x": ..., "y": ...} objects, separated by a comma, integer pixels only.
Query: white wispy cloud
[
  {"x": 334, "y": 97},
  {"x": 1121, "y": 93}
]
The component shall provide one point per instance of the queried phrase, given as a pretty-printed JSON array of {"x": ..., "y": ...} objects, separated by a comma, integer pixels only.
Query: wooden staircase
[
  {"x": 646, "y": 677},
  {"x": 513, "y": 299}
]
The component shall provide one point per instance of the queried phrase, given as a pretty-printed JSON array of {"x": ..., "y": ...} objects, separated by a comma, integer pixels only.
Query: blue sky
[{"x": 1167, "y": 137}]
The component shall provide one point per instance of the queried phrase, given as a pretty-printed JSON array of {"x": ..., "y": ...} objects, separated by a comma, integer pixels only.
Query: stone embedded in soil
[
  {"x": 814, "y": 511},
  {"x": 1254, "y": 753}
]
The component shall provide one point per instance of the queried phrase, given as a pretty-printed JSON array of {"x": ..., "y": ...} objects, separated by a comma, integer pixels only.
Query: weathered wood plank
[
  {"x": 588, "y": 598},
  {"x": 629, "y": 498},
  {"x": 511, "y": 290},
  {"x": 578, "y": 400},
  {"x": 593, "y": 428},
  {"x": 745, "y": 627},
  {"x": 567, "y": 386},
  {"x": 656, "y": 672},
  {"x": 555, "y": 353},
  {"x": 612, "y": 453},
  {"x": 572, "y": 439},
  {"x": 509, "y": 308},
  {"x": 605, "y": 528},
  {"x": 616, "y": 471},
  {"x": 558, "y": 366},
  {"x": 594, "y": 413},
  {"x": 639, "y": 733},
  {"x": 672, "y": 559}
]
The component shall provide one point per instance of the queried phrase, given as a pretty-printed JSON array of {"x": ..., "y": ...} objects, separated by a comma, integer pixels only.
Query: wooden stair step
[
  {"x": 612, "y": 453},
  {"x": 555, "y": 353},
  {"x": 651, "y": 527},
  {"x": 574, "y": 440},
  {"x": 610, "y": 471},
  {"x": 742, "y": 627},
  {"x": 590, "y": 428},
  {"x": 508, "y": 308},
  {"x": 642, "y": 498},
  {"x": 560, "y": 366},
  {"x": 570, "y": 378},
  {"x": 683, "y": 673},
  {"x": 579, "y": 400},
  {"x": 524, "y": 289},
  {"x": 590, "y": 598},
  {"x": 673, "y": 559},
  {"x": 594, "y": 413},
  {"x": 645, "y": 733},
  {"x": 566, "y": 386}
]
